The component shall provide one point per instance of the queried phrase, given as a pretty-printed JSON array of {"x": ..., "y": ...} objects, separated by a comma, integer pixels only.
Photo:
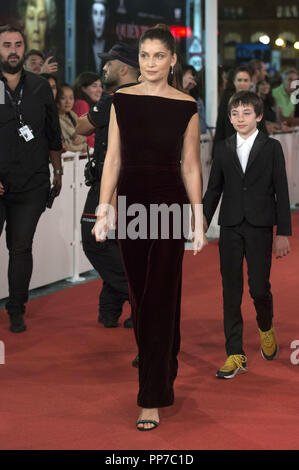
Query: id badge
[{"x": 26, "y": 133}]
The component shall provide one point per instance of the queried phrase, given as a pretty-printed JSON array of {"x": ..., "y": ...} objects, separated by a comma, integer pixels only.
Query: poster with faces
[
  {"x": 102, "y": 23},
  {"x": 43, "y": 24},
  {"x": 92, "y": 18},
  {"x": 99, "y": 24}
]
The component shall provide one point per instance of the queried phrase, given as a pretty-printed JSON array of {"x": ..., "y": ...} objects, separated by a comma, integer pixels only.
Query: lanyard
[{"x": 16, "y": 104}]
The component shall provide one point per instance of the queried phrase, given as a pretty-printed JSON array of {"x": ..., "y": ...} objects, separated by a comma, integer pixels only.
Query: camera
[{"x": 90, "y": 172}]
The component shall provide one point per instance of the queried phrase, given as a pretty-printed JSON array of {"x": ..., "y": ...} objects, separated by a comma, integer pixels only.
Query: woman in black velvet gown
[{"x": 153, "y": 158}]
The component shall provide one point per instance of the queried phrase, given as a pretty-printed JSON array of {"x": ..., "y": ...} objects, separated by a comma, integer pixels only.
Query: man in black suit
[{"x": 249, "y": 169}]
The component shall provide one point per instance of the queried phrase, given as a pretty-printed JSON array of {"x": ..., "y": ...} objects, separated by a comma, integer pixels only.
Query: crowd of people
[
  {"x": 280, "y": 113},
  {"x": 146, "y": 100}
]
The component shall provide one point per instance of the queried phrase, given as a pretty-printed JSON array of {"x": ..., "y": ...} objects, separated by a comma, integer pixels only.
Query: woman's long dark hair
[
  {"x": 162, "y": 33},
  {"x": 83, "y": 80},
  {"x": 194, "y": 92},
  {"x": 230, "y": 88},
  {"x": 269, "y": 99}
]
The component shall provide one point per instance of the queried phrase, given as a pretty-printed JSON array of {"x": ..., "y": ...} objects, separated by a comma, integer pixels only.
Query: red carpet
[{"x": 68, "y": 383}]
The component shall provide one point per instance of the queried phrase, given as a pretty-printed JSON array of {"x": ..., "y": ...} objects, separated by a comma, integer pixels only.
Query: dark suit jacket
[
  {"x": 224, "y": 127},
  {"x": 260, "y": 195}
]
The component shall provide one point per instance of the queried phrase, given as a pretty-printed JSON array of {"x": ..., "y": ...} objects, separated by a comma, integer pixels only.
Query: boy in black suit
[{"x": 249, "y": 169}]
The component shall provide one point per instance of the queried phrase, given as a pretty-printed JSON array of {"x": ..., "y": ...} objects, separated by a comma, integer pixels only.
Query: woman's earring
[{"x": 172, "y": 70}]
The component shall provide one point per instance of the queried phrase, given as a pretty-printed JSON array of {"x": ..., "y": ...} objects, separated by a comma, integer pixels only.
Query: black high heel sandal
[{"x": 147, "y": 421}]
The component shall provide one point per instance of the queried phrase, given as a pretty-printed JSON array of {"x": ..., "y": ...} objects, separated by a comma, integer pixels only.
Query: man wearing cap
[{"x": 120, "y": 70}]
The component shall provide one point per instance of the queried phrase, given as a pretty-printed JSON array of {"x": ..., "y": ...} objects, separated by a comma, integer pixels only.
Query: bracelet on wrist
[{"x": 58, "y": 172}]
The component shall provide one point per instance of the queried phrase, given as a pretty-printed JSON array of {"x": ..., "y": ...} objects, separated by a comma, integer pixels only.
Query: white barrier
[
  {"x": 57, "y": 247},
  {"x": 290, "y": 144}
]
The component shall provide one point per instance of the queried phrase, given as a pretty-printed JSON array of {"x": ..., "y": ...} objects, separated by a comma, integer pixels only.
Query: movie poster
[
  {"x": 93, "y": 33},
  {"x": 43, "y": 24},
  {"x": 102, "y": 23},
  {"x": 99, "y": 25}
]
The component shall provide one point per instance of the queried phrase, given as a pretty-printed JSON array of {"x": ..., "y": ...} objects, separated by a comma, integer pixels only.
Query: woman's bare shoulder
[
  {"x": 180, "y": 95},
  {"x": 174, "y": 93},
  {"x": 129, "y": 90}
]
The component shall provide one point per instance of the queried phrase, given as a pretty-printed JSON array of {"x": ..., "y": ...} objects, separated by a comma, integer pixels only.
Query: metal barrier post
[{"x": 76, "y": 224}]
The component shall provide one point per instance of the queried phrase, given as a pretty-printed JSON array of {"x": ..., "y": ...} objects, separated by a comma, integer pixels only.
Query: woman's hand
[
  {"x": 199, "y": 242},
  {"x": 111, "y": 218},
  {"x": 106, "y": 220},
  {"x": 198, "y": 238},
  {"x": 100, "y": 228}
]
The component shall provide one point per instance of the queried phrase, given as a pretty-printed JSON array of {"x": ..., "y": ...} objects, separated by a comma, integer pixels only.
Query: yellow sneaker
[
  {"x": 234, "y": 364},
  {"x": 269, "y": 346}
]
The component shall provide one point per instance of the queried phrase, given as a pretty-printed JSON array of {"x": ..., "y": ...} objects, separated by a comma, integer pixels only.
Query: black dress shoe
[
  {"x": 108, "y": 323},
  {"x": 17, "y": 324},
  {"x": 135, "y": 363},
  {"x": 128, "y": 323}
]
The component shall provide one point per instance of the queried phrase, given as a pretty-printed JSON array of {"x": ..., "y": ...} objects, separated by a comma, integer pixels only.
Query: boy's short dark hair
[{"x": 244, "y": 98}]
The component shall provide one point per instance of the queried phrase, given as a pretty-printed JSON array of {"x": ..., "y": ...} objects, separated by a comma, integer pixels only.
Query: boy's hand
[{"x": 281, "y": 246}]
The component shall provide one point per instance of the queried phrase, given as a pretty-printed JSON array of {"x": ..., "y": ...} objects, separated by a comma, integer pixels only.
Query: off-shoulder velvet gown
[{"x": 151, "y": 133}]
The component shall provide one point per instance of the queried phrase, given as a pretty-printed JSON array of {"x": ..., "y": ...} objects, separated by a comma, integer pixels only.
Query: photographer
[
  {"x": 121, "y": 69},
  {"x": 35, "y": 62},
  {"x": 29, "y": 131}
]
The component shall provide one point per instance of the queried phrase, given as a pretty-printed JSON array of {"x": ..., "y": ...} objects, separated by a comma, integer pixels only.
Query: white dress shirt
[{"x": 244, "y": 147}]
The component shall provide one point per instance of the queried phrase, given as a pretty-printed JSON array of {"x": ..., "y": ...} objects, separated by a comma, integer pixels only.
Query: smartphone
[{"x": 51, "y": 53}]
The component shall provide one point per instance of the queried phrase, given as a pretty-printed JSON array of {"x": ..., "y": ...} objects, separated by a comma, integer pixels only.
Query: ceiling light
[
  {"x": 280, "y": 42},
  {"x": 264, "y": 39}
]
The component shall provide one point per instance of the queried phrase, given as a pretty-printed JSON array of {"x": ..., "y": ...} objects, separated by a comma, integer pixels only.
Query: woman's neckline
[{"x": 156, "y": 96}]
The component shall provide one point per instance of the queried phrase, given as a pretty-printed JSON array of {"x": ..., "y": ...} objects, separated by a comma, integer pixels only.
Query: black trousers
[
  {"x": 255, "y": 244},
  {"x": 21, "y": 212},
  {"x": 106, "y": 259}
]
